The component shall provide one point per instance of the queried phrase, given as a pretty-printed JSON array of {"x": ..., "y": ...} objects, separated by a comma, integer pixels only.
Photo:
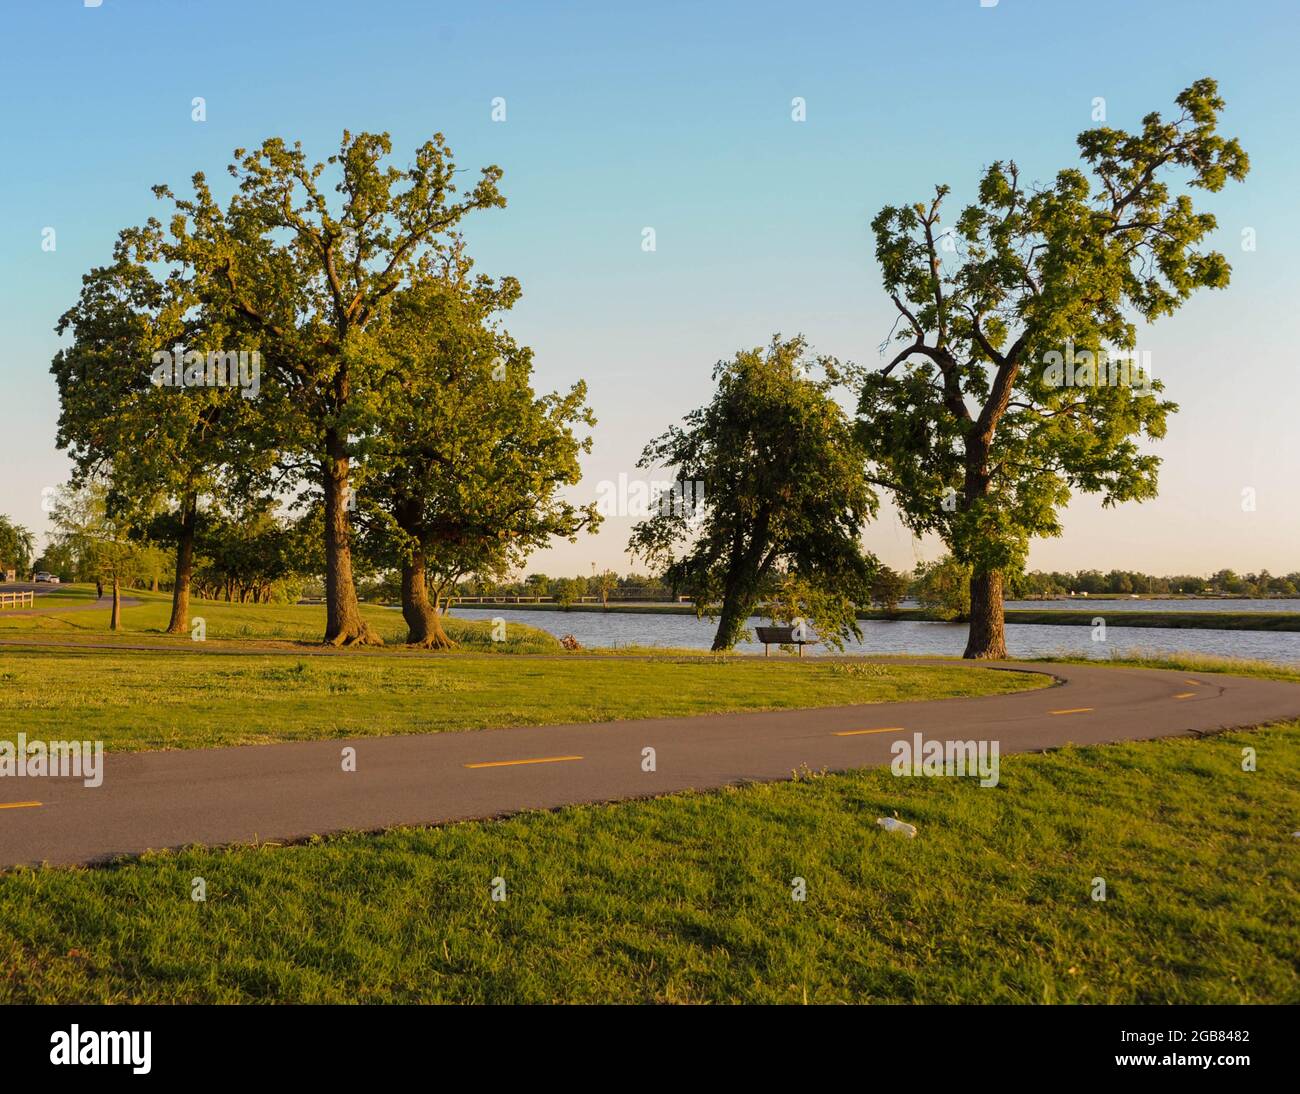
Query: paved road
[
  {"x": 48, "y": 602},
  {"x": 289, "y": 791}
]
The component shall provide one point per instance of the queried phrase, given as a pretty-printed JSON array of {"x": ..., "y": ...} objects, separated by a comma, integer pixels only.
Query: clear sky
[{"x": 677, "y": 116}]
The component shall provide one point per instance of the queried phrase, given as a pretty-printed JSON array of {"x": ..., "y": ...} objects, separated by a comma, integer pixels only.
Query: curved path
[{"x": 289, "y": 791}]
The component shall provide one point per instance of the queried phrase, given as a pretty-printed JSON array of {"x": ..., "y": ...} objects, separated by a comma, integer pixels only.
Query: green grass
[
  {"x": 688, "y": 898},
  {"x": 179, "y": 698},
  {"x": 1187, "y": 662},
  {"x": 244, "y": 623}
]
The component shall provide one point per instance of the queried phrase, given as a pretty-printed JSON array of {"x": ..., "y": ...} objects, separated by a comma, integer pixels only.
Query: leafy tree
[
  {"x": 166, "y": 447},
  {"x": 299, "y": 277},
  {"x": 785, "y": 493},
  {"x": 568, "y": 590},
  {"x": 943, "y": 588},
  {"x": 888, "y": 587},
  {"x": 467, "y": 462},
  {"x": 253, "y": 554},
  {"x": 85, "y": 522},
  {"x": 17, "y": 545},
  {"x": 605, "y": 583},
  {"x": 978, "y": 444}
]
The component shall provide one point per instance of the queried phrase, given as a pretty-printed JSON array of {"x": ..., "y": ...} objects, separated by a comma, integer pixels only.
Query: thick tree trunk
[
  {"x": 115, "y": 620},
  {"x": 180, "y": 621},
  {"x": 423, "y": 620},
  {"x": 987, "y": 638},
  {"x": 737, "y": 598},
  {"x": 344, "y": 625}
]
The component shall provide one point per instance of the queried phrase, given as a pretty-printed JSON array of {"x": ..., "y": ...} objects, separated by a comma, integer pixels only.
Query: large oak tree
[
  {"x": 298, "y": 273},
  {"x": 967, "y": 425}
]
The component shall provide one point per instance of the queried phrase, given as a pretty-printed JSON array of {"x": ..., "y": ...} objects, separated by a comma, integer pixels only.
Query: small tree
[
  {"x": 977, "y": 444},
  {"x": 606, "y": 583},
  {"x": 784, "y": 489},
  {"x": 85, "y": 520},
  {"x": 17, "y": 545},
  {"x": 888, "y": 588},
  {"x": 943, "y": 588}
]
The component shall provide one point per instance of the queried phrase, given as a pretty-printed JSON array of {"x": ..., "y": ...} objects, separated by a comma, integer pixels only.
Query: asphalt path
[
  {"x": 48, "y": 601},
  {"x": 278, "y": 793}
]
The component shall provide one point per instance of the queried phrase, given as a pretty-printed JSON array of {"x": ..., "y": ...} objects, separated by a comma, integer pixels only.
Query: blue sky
[{"x": 676, "y": 116}]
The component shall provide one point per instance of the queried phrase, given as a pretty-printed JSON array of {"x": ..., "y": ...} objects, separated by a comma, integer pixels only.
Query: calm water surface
[{"x": 595, "y": 629}]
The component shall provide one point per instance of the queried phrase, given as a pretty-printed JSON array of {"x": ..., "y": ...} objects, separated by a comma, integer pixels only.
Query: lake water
[{"x": 614, "y": 629}]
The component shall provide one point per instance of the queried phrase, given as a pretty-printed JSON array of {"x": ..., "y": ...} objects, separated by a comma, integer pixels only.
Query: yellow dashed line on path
[
  {"x": 859, "y": 732},
  {"x": 1186, "y": 695},
  {"x": 19, "y": 805},
  {"x": 514, "y": 763},
  {"x": 1072, "y": 710}
]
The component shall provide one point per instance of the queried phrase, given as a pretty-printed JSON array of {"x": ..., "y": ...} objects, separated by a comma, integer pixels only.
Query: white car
[{"x": 46, "y": 579}]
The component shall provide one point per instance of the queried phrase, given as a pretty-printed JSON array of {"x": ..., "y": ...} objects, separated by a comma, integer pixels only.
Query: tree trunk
[
  {"x": 344, "y": 625},
  {"x": 987, "y": 638},
  {"x": 423, "y": 620},
  {"x": 180, "y": 621},
  {"x": 115, "y": 620},
  {"x": 737, "y": 599}
]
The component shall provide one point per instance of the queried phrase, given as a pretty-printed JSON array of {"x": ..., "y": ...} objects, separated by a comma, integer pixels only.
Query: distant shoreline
[{"x": 1059, "y": 617}]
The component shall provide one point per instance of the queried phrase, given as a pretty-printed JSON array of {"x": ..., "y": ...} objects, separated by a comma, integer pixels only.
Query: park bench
[{"x": 783, "y": 636}]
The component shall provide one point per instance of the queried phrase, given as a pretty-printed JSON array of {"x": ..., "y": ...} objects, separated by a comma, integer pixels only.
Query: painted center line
[
  {"x": 1072, "y": 710},
  {"x": 514, "y": 763},
  {"x": 19, "y": 805},
  {"x": 859, "y": 732},
  {"x": 1194, "y": 683},
  {"x": 1186, "y": 695}
]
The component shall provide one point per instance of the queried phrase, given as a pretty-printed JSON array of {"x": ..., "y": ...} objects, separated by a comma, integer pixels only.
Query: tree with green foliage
[
  {"x": 784, "y": 488},
  {"x": 252, "y": 553},
  {"x": 104, "y": 542},
  {"x": 17, "y": 545},
  {"x": 465, "y": 468},
  {"x": 972, "y": 425},
  {"x": 171, "y": 449},
  {"x": 943, "y": 588},
  {"x": 605, "y": 583},
  {"x": 888, "y": 587},
  {"x": 300, "y": 276}
]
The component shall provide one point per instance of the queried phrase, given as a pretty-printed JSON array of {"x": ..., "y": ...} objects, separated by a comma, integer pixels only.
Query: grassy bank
[
  {"x": 241, "y": 623},
  {"x": 185, "y": 699},
  {"x": 688, "y": 898}
]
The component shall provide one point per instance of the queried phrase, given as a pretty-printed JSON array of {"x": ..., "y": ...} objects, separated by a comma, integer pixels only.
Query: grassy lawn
[
  {"x": 688, "y": 898},
  {"x": 243, "y": 623},
  {"x": 1188, "y": 662},
  {"x": 184, "y": 699}
]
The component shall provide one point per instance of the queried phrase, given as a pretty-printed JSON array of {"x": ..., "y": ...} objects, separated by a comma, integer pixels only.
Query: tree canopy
[
  {"x": 465, "y": 466},
  {"x": 969, "y": 425},
  {"x": 784, "y": 494}
]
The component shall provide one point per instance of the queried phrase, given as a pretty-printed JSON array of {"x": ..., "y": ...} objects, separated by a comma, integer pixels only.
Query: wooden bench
[{"x": 782, "y": 636}]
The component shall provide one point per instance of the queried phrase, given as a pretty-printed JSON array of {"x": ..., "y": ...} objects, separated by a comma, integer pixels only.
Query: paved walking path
[{"x": 289, "y": 791}]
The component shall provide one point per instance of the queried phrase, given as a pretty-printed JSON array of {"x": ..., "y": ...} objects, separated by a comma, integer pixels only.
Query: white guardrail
[{"x": 17, "y": 600}]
